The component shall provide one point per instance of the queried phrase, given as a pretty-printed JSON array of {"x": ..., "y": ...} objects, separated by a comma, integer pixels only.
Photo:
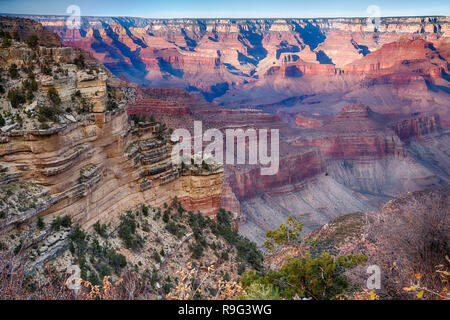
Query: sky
[{"x": 229, "y": 8}]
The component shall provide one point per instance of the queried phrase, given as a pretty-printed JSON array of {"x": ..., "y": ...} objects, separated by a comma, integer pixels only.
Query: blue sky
[{"x": 229, "y": 8}]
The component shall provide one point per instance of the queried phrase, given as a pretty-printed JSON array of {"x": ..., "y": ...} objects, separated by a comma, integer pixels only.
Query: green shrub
[
  {"x": 166, "y": 216},
  {"x": 53, "y": 95},
  {"x": 79, "y": 242},
  {"x": 205, "y": 166},
  {"x": 111, "y": 105},
  {"x": 321, "y": 278},
  {"x": 94, "y": 279},
  {"x": 127, "y": 232},
  {"x": 30, "y": 85},
  {"x": 40, "y": 223},
  {"x": 48, "y": 113},
  {"x": 64, "y": 221},
  {"x": 285, "y": 234},
  {"x": 247, "y": 250},
  {"x": 241, "y": 268},
  {"x": 18, "y": 247},
  {"x": 46, "y": 69},
  {"x": 258, "y": 291},
  {"x": 16, "y": 97},
  {"x": 79, "y": 62},
  {"x": 144, "y": 210},
  {"x": 156, "y": 257},
  {"x": 33, "y": 41},
  {"x": 101, "y": 229},
  {"x": 104, "y": 271},
  {"x": 116, "y": 260},
  {"x": 6, "y": 42},
  {"x": 172, "y": 227},
  {"x": 30, "y": 95},
  {"x": 13, "y": 71},
  {"x": 197, "y": 250}
]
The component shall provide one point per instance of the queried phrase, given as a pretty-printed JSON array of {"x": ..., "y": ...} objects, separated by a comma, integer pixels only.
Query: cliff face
[
  {"x": 67, "y": 146},
  {"x": 417, "y": 127},
  {"x": 354, "y": 133},
  {"x": 26, "y": 27},
  {"x": 294, "y": 168},
  {"x": 148, "y": 102},
  {"x": 96, "y": 168},
  {"x": 417, "y": 57}
]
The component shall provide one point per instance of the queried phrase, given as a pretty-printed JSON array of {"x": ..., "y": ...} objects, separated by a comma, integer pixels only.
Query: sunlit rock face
[
  {"x": 89, "y": 164},
  {"x": 92, "y": 172},
  {"x": 25, "y": 28}
]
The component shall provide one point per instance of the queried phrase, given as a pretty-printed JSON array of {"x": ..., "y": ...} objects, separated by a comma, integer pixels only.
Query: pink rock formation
[
  {"x": 309, "y": 123},
  {"x": 417, "y": 126},
  {"x": 355, "y": 133}
]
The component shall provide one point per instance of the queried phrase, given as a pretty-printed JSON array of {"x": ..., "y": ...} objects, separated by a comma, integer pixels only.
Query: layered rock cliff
[
  {"x": 352, "y": 161},
  {"x": 24, "y": 28},
  {"x": 69, "y": 148},
  {"x": 215, "y": 55},
  {"x": 348, "y": 162},
  {"x": 96, "y": 168},
  {"x": 354, "y": 133}
]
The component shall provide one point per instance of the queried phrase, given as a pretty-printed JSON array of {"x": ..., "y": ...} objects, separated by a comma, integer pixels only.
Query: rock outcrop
[
  {"x": 26, "y": 28},
  {"x": 92, "y": 172},
  {"x": 71, "y": 149},
  {"x": 417, "y": 126},
  {"x": 354, "y": 133}
]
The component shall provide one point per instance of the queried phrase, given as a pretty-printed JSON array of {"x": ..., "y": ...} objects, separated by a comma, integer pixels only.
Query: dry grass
[{"x": 411, "y": 236}]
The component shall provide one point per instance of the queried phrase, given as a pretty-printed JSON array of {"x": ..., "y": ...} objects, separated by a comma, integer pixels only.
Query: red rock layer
[
  {"x": 408, "y": 58},
  {"x": 146, "y": 103},
  {"x": 306, "y": 122},
  {"x": 247, "y": 183},
  {"x": 355, "y": 118},
  {"x": 355, "y": 133},
  {"x": 417, "y": 126},
  {"x": 208, "y": 206},
  {"x": 356, "y": 146}
]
